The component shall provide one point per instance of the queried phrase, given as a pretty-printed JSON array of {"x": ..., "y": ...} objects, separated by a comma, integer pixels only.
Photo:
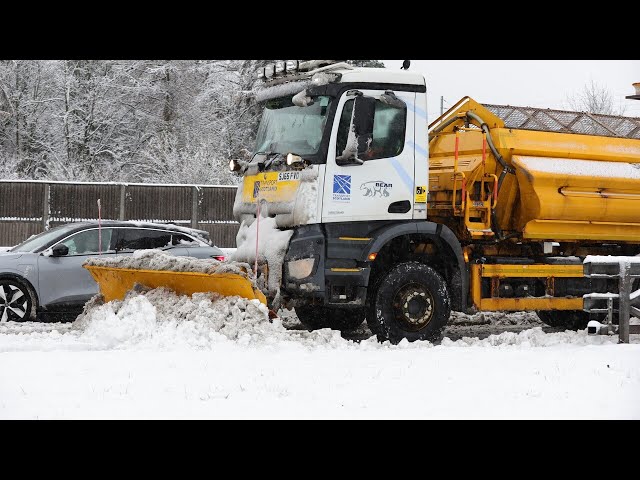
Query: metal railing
[
  {"x": 626, "y": 301},
  {"x": 565, "y": 121}
]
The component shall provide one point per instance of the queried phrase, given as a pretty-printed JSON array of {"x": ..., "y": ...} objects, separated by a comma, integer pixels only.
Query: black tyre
[
  {"x": 411, "y": 301},
  {"x": 315, "y": 318},
  {"x": 16, "y": 301},
  {"x": 568, "y": 319}
]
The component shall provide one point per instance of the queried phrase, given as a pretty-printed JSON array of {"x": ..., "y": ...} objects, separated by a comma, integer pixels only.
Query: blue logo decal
[
  {"x": 342, "y": 188},
  {"x": 342, "y": 184},
  {"x": 256, "y": 189}
]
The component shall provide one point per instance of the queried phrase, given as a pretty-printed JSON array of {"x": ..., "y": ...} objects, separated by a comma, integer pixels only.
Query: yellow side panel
[
  {"x": 565, "y": 230},
  {"x": 530, "y": 304},
  {"x": 535, "y": 270},
  {"x": 525, "y": 303},
  {"x": 565, "y": 190},
  {"x": 566, "y": 145}
]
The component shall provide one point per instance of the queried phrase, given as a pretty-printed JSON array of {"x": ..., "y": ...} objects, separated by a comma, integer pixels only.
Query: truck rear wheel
[
  {"x": 411, "y": 301},
  {"x": 569, "y": 319},
  {"x": 314, "y": 317}
]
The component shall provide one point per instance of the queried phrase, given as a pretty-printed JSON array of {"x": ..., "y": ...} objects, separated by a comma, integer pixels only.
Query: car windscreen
[{"x": 44, "y": 239}]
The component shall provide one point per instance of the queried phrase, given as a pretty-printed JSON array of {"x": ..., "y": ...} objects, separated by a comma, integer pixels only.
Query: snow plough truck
[{"x": 354, "y": 208}]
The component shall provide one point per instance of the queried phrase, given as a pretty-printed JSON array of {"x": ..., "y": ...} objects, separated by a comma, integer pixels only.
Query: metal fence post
[
  {"x": 625, "y": 301},
  {"x": 45, "y": 206},
  {"x": 123, "y": 196},
  {"x": 194, "y": 207}
]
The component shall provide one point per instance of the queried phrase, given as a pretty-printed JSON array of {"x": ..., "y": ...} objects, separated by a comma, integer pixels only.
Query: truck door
[{"x": 382, "y": 187}]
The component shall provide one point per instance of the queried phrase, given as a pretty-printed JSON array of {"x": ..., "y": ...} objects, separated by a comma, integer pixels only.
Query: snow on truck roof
[
  {"x": 380, "y": 75},
  {"x": 294, "y": 83}
]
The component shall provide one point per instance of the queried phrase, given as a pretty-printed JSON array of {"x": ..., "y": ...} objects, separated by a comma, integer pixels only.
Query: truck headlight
[
  {"x": 301, "y": 268},
  {"x": 292, "y": 159},
  {"x": 234, "y": 165}
]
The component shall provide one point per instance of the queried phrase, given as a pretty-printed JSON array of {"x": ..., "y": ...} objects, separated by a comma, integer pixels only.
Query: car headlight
[{"x": 301, "y": 268}]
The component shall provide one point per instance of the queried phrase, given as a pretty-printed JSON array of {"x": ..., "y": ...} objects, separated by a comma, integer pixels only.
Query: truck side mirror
[
  {"x": 389, "y": 98},
  {"x": 360, "y": 131}
]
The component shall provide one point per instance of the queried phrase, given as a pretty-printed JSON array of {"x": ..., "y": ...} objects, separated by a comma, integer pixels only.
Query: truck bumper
[{"x": 328, "y": 282}]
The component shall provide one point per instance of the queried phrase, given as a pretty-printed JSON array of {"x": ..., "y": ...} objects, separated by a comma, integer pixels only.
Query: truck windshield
[{"x": 286, "y": 128}]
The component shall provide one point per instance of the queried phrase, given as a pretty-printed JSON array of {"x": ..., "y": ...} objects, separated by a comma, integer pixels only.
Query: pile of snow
[
  {"x": 272, "y": 246},
  {"x": 158, "y": 260},
  {"x": 495, "y": 318},
  {"x": 163, "y": 319},
  {"x": 533, "y": 337},
  {"x": 610, "y": 259},
  {"x": 572, "y": 166}
]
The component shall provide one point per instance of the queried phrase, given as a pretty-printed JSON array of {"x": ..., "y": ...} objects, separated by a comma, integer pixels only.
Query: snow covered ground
[{"x": 161, "y": 356}]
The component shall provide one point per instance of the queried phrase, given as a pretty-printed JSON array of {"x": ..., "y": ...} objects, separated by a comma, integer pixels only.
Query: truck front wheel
[
  {"x": 411, "y": 301},
  {"x": 314, "y": 317}
]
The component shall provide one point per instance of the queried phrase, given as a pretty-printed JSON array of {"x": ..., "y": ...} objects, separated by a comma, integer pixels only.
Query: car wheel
[
  {"x": 411, "y": 301},
  {"x": 16, "y": 301},
  {"x": 315, "y": 318}
]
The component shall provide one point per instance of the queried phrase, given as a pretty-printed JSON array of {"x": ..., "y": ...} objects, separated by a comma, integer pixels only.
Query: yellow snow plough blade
[{"x": 114, "y": 283}]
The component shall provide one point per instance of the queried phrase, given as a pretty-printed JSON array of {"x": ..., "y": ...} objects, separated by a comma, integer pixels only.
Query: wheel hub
[
  {"x": 413, "y": 307},
  {"x": 14, "y": 306}
]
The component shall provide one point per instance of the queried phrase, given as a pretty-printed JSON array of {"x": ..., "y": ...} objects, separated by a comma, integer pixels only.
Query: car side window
[
  {"x": 183, "y": 240},
  {"x": 86, "y": 242},
  {"x": 388, "y": 131},
  {"x": 141, "y": 239}
]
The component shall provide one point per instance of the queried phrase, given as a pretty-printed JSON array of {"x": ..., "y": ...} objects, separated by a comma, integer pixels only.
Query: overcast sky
[{"x": 535, "y": 83}]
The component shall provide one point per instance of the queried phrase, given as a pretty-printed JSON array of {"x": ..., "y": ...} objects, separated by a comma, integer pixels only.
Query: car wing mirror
[{"x": 60, "y": 250}]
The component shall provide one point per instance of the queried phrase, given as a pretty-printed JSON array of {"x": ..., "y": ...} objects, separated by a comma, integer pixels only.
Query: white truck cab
[{"x": 341, "y": 166}]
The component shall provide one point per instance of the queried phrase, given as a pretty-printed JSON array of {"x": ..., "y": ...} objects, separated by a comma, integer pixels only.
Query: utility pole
[{"x": 441, "y": 105}]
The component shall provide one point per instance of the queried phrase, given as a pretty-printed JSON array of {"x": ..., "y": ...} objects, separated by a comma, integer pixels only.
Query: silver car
[{"x": 43, "y": 276}]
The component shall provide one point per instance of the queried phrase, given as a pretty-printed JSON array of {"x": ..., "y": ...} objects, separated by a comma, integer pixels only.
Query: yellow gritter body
[{"x": 567, "y": 186}]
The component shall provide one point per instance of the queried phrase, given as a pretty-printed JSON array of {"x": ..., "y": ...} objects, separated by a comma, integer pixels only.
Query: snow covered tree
[
  {"x": 27, "y": 131},
  {"x": 594, "y": 98},
  {"x": 366, "y": 63},
  {"x": 177, "y": 121}
]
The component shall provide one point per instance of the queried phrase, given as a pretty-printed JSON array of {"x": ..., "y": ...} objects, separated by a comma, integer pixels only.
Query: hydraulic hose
[
  {"x": 485, "y": 128},
  {"x": 505, "y": 167},
  {"x": 436, "y": 130}
]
